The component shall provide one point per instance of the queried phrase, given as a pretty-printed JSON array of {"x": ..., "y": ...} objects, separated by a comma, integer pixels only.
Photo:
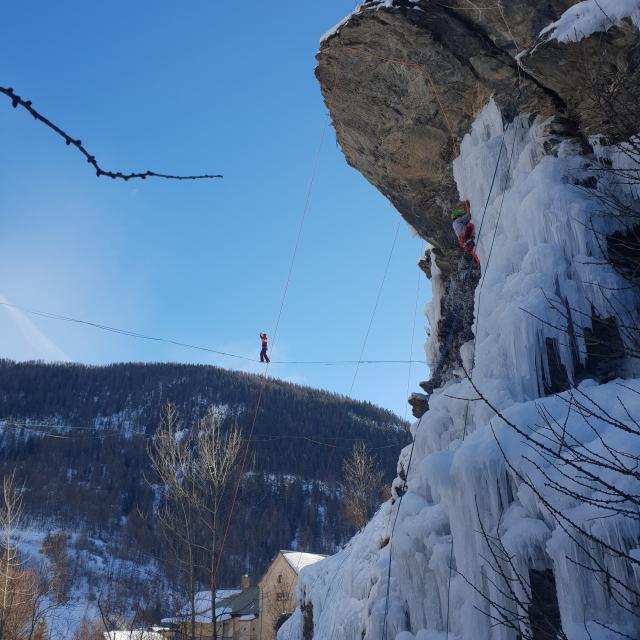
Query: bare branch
[{"x": 17, "y": 101}]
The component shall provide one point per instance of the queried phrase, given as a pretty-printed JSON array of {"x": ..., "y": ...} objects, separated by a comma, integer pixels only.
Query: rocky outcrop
[
  {"x": 403, "y": 81},
  {"x": 419, "y": 404},
  {"x": 587, "y": 74},
  {"x": 480, "y": 503}
]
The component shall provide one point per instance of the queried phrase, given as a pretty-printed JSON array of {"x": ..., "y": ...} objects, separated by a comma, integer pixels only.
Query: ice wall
[{"x": 537, "y": 248}]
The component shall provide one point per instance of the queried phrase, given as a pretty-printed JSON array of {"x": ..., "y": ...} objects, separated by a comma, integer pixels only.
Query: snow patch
[
  {"x": 299, "y": 560},
  {"x": 592, "y": 16},
  {"x": 367, "y": 5}
]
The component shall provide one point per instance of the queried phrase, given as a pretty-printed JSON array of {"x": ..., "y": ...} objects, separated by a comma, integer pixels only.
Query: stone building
[{"x": 278, "y": 589}]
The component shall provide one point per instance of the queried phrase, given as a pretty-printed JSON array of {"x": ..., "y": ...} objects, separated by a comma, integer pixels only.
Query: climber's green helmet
[{"x": 456, "y": 213}]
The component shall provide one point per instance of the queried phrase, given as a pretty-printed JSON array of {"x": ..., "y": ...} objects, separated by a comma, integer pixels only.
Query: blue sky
[{"x": 193, "y": 87}]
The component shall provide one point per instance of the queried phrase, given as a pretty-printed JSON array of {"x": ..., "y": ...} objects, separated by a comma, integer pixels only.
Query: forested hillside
[{"x": 78, "y": 437}]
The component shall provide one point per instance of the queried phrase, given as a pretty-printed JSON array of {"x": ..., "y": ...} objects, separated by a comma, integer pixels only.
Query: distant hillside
[{"x": 78, "y": 437}]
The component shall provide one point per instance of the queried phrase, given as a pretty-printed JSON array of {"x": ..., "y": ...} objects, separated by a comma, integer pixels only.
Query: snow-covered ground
[{"x": 95, "y": 571}]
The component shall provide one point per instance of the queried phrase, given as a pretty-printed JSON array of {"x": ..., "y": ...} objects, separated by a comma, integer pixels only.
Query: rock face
[
  {"x": 404, "y": 80},
  {"x": 485, "y": 536}
]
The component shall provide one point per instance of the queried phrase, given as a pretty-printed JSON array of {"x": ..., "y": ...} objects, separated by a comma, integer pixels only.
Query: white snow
[
  {"x": 367, "y": 5},
  {"x": 537, "y": 222},
  {"x": 203, "y": 607},
  {"x": 135, "y": 634},
  {"x": 592, "y": 16},
  {"x": 299, "y": 560}
]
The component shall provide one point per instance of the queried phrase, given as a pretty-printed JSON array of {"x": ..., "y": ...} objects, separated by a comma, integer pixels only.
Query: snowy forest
[
  {"x": 159, "y": 500},
  {"x": 78, "y": 438}
]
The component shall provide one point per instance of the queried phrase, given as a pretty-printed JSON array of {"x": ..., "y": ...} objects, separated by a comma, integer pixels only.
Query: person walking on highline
[{"x": 263, "y": 354}]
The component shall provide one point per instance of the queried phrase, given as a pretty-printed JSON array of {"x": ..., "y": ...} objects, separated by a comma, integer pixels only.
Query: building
[
  {"x": 236, "y": 614},
  {"x": 133, "y": 634},
  {"x": 278, "y": 589}
]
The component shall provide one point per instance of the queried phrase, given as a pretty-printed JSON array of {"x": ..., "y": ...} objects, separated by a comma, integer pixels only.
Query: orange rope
[
  {"x": 275, "y": 334},
  {"x": 434, "y": 88},
  {"x": 411, "y": 65}
]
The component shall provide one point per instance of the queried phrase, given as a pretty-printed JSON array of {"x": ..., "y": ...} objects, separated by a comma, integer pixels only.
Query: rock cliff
[
  {"x": 404, "y": 80},
  {"x": 514, "y": 512}
]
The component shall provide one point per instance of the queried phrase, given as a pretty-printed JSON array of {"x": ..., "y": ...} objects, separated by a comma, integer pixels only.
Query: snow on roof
[
  {"x": 203, "y": 600},
  {"x": 232, "y": 602},
  {"x": 203, "y": 617},
  {"x": 203, "y": 607},
  {"x": 592, "y": 16},
  {"x": 299, "y": 560},
  {"x": 136, "y": 634}
]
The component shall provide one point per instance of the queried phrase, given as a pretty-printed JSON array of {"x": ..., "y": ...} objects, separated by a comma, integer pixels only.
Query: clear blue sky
[{"x": 195, "y": 87}]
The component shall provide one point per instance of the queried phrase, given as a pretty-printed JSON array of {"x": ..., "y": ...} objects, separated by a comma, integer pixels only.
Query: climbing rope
[
  {"x": 443, "y": 355},
  {"x": 375, "y": 306},
  {"x": 424, "y": 71},
  {"x": 372, "y": 316},
  {"x": 245, "y": 455},
  {"x": 493, "y": 239},
  {"x": 413, "y": 334},
  {"x": 364, "y": 343},
  {"x": 68, "y": 432},
  {"x": 475, "y": 335}
]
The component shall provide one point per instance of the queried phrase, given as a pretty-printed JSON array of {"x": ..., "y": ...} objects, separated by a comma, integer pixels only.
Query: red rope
[
  {"x": 434, "y": 88},
  {"x": 425, "y": 72},
  {"x": 275, "y": 335}
]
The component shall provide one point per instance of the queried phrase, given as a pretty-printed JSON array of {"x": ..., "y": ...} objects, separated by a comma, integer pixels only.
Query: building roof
[
  {"x": 229, "y": 603},
  {"x": 245, "y": 603},
  {"x": 136, "y": 634},
  {"x": 203, "y": 601},
  {"x": 298, "y": 560}
]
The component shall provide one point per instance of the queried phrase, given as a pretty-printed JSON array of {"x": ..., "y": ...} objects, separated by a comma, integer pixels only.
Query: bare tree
[
  {"x": 58, "y": 570},
  {"x": 114, "y": 620},
  {"x": 596, "y": 475},
  {"x": 169, "y": 455},
  {"x": 362, "y": 484},
  {"x": 21, "y": 590},
  {"x": 195, "y": 466},
  {"x": 217, "y": 454},
  {"x": 88, "y": 630}
]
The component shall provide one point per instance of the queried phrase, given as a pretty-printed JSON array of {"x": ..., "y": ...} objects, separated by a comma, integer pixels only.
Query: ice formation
[
  {"x": 537, "y": 248},
  {"x": 592, "y": 16}
]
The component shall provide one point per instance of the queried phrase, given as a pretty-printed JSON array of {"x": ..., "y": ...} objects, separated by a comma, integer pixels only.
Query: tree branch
[{"x": 17, "y": 101}]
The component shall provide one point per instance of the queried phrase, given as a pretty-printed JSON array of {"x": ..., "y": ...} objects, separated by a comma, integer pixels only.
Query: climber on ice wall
[{"x": 464, "y": 229}]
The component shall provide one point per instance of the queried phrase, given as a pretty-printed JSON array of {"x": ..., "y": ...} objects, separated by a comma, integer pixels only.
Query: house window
[
  {"x": 282, "y": 596},
  {"x": 279, "y": 578}
]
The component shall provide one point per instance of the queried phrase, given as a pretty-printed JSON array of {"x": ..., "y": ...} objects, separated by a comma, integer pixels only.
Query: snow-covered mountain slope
[
  {"x": 515, "y": 509},
  {"x": 78, "y": 436}
]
